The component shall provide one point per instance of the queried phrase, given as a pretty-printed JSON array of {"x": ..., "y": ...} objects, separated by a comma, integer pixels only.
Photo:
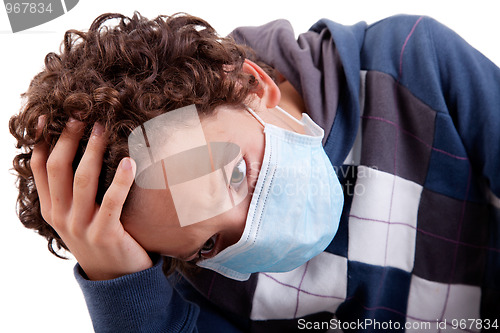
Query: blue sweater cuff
[{"x": 138, "y": 302}]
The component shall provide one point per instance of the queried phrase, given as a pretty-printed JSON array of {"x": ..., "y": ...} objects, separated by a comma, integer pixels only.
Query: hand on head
[{"x": 93, "y": 233}]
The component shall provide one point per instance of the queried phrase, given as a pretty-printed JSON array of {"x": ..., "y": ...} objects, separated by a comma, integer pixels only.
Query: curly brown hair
[{"x": 121, "y": 76}]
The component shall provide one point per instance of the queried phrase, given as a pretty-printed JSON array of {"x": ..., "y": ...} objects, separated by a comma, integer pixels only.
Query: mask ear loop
[
  {"x": 277, "y": 107},
  {"x": 259, "y": 119}
]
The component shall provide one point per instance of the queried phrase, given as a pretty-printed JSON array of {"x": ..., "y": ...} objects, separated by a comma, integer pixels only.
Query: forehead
[
  {"x": 172, "y": 152},
  {"x": 165, "y": 135}
]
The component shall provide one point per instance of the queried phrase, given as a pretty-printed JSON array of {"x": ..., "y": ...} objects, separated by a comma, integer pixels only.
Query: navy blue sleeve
[
  {"x": 471, "y": 87},
  {"x": 139, "y": 302}
]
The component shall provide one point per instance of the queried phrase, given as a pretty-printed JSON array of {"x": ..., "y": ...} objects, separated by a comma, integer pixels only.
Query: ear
[{"x": 267, "y": 90}]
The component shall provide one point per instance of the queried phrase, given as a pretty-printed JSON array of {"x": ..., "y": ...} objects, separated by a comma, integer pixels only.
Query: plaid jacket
[{"x": 416, "y": 145}]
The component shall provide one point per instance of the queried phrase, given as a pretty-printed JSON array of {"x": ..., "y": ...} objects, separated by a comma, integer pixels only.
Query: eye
[
  {"x": 238, "y": 175},
  {"x": 209, "y": 245}
]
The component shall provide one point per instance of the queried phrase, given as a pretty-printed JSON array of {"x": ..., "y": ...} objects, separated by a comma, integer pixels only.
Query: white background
[{"x": 38, "y": 292}]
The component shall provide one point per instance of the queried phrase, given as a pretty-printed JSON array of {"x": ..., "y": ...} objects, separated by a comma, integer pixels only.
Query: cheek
[
  {"x": 234, "y": 222},
  {"x": 254, "y": 156},
  {"x": 150, "y": 219},
  {"x": 253, "y": 175}
]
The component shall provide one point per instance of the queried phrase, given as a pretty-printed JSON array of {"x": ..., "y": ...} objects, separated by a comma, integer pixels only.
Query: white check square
[
  {"x": 317, "y": 286},
  {"x": 383, "y": 219},
  {"x": 442, "y": 304}
]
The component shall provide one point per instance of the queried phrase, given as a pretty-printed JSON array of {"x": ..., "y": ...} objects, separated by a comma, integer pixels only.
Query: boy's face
[{"x": 152, "y": 218}]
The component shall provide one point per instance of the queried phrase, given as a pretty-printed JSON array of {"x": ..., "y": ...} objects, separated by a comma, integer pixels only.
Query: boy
[{"x": 408, "y": 127}]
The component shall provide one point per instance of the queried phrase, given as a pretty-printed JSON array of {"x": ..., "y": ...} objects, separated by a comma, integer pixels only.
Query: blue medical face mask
[{"x": 295, "y": 208}]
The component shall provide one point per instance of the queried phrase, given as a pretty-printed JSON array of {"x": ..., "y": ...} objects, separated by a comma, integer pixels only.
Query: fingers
[
  {"x": 87, "y": 175},
  {"x": 60, "y": 168},
  {"x": 38, "y": 167},
  {"x": 66, "y": 197},
  {"x": 112, "y": 203}
]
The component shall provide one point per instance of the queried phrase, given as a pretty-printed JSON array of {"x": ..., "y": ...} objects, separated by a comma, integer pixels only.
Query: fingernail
[
  {"x": 72, "y": 122},
  {"x": 126, "y": 164},
  {"x": 98, "y": 129},
  {"x": 41, "y": 122}
]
